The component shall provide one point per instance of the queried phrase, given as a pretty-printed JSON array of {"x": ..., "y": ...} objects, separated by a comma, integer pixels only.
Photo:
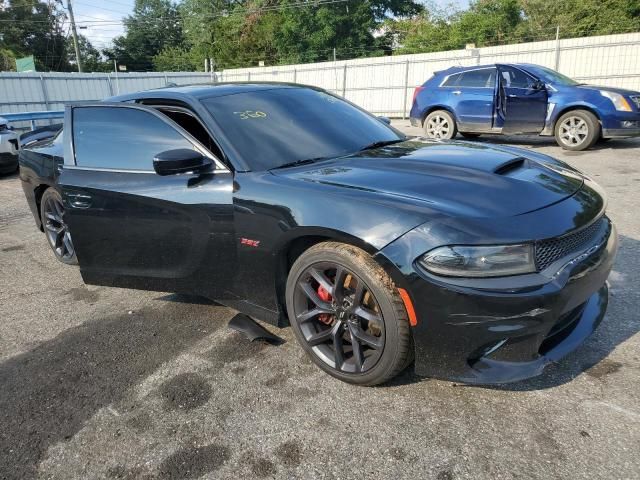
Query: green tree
[
  {"x": 493, "y": 22},
  {"x": 7, "y": 60},
  {"x": 281, "y": 31},
  {"x": 177, "y": 59},
  {"x": 92, "y": 59},
  {"x": 577, "y": 18},
  {"x": 487, "y": 22},
  {"x": 153, "y": 26},
  {"x": 33, "y": 27}
]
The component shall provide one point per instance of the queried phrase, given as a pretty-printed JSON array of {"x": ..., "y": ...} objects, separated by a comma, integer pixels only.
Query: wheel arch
[
  {"x": 438, "y": 107},
  {"x": 305, "y": 238},
  {"x": 570, "y": 108},
  {"x": 38, "y": 192}
]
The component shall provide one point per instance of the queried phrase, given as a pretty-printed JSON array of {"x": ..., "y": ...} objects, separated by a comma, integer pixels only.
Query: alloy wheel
[
  {"x": 339, "y": 318},
  {"x": 438, "y": 127},
  {"x": 573, "y": 131},
  {"x": 56, "y": 229}
]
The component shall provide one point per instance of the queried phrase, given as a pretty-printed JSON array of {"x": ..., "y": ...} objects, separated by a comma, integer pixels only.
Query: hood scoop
[{"x": 511, "y": 166}]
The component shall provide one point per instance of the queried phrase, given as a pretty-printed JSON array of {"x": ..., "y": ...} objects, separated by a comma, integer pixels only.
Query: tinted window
[
  {"x": 194, "y": 127},
  {"x": 514, "y": 78},
  {"x": 478, "y": 78},
  {"x": 270, "y": 128},
  {"x": 121, "y": 138},
  {"x": 452, "y": 81}
]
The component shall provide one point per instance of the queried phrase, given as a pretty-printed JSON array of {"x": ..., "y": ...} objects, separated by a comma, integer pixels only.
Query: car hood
[
  {"x": 621, "y": 91},
  {"x": 460, "y": 178}
]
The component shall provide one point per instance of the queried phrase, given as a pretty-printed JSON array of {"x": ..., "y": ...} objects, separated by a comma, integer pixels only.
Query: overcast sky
[{"x": 111, "y": 12}]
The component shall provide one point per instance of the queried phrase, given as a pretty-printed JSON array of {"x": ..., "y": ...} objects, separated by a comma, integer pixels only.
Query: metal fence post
[
  {"x": 344, "y": 81},
  {"x": 108, "y": 77},
  {"x": 406, "y": 87},
  {"x": 248, "y": 76},
  {"x": 295, "y": 75},
  {"x": 557, "y": 64},
  {"x": 45, "y": 97}
]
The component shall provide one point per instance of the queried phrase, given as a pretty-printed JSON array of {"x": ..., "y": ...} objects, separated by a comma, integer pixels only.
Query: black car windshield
[
  {"x": 289, "y": 126},
  {"x": 551, "y": 76}
]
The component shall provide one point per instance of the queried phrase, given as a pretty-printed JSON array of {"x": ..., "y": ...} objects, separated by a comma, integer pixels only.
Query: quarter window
[
  {"x": 121, "y": 138},
  {"x": 452, "y": 80}
]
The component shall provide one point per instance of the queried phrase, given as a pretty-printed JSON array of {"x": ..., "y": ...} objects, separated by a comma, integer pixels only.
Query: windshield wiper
[
  {"x": 382, "y": 143},
  {"x": 295, "y": 163}
]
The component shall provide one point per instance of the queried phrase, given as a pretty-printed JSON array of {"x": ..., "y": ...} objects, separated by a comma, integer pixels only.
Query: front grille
[
  {"x": 552, "y": 249},
  {"x": 636, "y": 100}
]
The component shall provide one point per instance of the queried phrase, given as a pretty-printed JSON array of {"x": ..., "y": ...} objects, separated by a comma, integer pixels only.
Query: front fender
[
  {"x": 562, "y": 102},
  {"x": 271, "y": 211}
]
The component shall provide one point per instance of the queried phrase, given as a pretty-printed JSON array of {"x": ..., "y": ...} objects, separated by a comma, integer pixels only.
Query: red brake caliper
[{"x": 325, "y": 296}]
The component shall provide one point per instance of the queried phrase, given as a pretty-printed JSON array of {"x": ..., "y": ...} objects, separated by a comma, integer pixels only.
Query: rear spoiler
[{"x": 42, "y": 133}]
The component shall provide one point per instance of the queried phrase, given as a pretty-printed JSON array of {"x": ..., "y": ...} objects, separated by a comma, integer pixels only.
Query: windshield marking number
[{"x": 247, "y": 114}]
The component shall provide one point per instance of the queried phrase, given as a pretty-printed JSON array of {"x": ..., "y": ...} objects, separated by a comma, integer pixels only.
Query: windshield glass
[
  {"x": 272, "y": 128},
  {"x": 551, "y": 76}
]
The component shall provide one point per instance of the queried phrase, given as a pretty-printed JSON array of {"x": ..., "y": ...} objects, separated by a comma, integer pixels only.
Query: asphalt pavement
[{"x": 99, "y": 382}]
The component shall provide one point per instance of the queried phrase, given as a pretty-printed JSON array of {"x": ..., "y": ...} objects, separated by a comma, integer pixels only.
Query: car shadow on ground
[
  {"x": 8, "y": 176},
  {"x": 48, "y": 393},
  {"x": 591, "y": 358},
  {"x": 534, "y": 141}
]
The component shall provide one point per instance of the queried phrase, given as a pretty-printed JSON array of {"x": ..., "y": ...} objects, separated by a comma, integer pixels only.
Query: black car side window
[{"x": 121, "y": 138}]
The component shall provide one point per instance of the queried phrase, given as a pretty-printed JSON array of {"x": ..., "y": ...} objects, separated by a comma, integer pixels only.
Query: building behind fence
[{"x": 382, "y": 85}]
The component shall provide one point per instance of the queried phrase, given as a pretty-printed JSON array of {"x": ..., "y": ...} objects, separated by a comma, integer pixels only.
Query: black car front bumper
[{"x": 505, "y": 330}]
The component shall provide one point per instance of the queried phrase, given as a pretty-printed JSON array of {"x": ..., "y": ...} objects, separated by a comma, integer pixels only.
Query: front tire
[
  {"x": 577, "y": 130},
  {"x": 347, "y": 314},
  {"x": 440, "y": 125},
  {"x": 55, "y": 228}
]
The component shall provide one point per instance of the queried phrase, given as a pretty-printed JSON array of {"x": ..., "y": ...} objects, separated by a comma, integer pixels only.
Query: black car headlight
[{"x": 480, "y": 261}]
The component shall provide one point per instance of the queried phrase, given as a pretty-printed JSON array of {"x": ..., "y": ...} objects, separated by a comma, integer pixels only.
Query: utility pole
[{"x": 75, "y": 36}]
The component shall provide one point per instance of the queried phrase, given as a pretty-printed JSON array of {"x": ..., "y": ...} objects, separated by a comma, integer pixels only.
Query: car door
[
  {"x": 472, "y": 97},
  {"x": 132, "y": 227},
  {"x": 522, "y": 101}
]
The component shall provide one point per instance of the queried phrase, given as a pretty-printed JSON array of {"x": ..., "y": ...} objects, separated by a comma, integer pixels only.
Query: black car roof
[{"x": 200, "y": 91}]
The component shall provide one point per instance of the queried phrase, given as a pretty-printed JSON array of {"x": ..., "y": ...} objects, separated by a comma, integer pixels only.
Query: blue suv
[{"x": 523, "y": 98}]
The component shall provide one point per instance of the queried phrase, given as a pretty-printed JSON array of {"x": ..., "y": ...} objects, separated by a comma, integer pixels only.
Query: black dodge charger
[{"x": 287, "y": 203}]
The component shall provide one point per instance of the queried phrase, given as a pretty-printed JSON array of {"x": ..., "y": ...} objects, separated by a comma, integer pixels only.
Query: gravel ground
[{"x": 107, "y": 383}]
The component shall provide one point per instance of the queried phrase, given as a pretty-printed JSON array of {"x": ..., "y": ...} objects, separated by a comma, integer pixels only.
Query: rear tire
[
  {"x": 440, "y": 125},
  {"x": 577, "y": 130},
  {"x": 360, "y": 333},
  {"x": 55, "y": 228}
]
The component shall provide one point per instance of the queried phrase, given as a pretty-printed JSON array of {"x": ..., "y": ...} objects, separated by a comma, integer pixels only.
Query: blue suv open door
[{"x": 521, "y": 101}]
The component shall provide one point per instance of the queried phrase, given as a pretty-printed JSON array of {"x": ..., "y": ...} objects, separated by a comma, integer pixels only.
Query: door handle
[
  {"x": 79, "y": 200},
  {"x": 456, "y": 92},
  {"x": 511, "y": 95}
]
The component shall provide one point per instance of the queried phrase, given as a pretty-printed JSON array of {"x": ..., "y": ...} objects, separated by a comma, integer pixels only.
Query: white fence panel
[{"x": 382, "y": 85}]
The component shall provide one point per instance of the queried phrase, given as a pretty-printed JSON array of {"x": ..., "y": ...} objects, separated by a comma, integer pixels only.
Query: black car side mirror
[
  {"x": 386, "y": 120},
  {"x": 180, "y": 160}
]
